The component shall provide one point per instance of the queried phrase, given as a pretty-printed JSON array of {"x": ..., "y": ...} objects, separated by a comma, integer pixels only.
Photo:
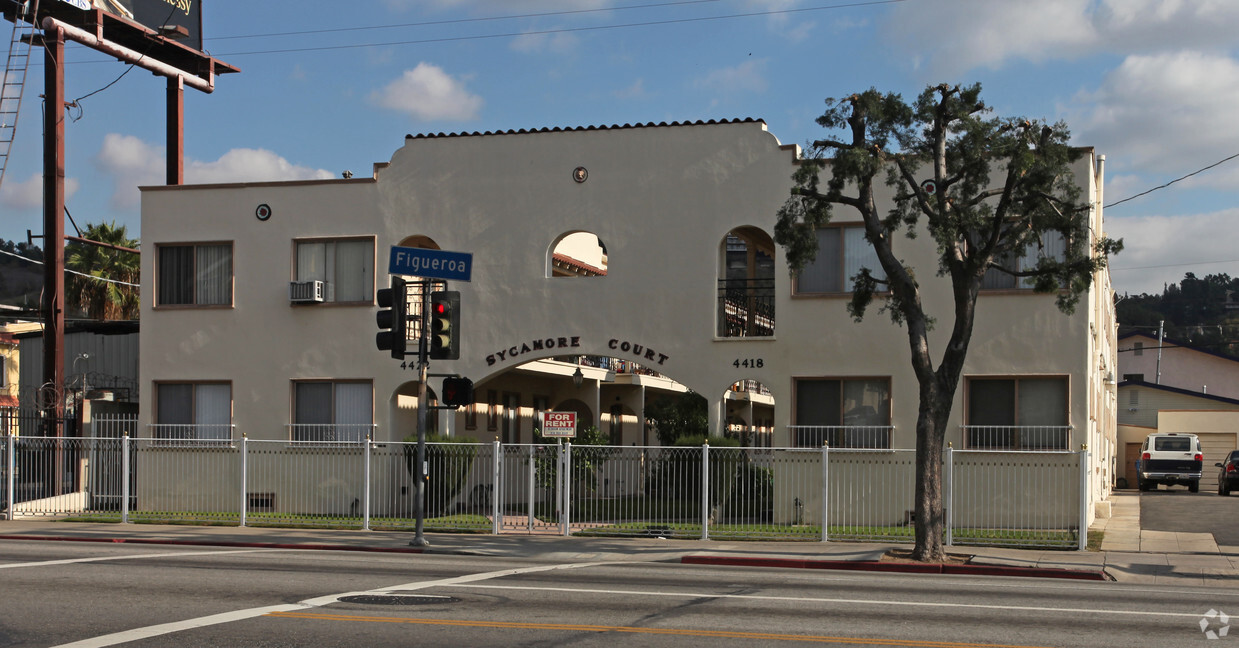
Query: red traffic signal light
[{"x": 444, "y": 325}]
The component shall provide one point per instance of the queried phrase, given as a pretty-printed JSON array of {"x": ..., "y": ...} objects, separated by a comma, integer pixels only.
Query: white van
[{"x": 1170, "y": 458}]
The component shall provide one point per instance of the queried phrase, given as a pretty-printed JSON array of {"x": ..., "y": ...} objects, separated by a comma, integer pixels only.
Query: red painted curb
[
  {"x": 210, "y": 543},
  {"x": 899, "y": 567}
]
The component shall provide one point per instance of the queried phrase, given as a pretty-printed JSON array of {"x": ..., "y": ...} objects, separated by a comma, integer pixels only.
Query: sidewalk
[
  {"x": 1128, "y": 554},
  {"x": 1161, "y": 557}
]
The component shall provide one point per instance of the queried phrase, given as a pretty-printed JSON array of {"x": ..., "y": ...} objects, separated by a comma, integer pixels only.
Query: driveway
[{"x": 1175, "y": 509}]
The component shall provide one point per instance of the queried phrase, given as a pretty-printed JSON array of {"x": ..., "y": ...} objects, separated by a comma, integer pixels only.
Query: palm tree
[{"x": 103, "y": 300}]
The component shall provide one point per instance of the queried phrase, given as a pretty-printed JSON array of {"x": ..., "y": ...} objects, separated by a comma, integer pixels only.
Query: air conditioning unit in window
[{"x": 308, "y": 292}]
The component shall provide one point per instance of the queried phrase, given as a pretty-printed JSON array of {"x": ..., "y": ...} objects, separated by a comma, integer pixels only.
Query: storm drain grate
[{"x": 377, "y": 599}]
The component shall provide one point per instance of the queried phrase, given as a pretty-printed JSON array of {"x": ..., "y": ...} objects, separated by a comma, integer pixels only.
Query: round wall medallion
[
  {"x": 263, "y": 212},
  {"x": 580, "y": 174}
]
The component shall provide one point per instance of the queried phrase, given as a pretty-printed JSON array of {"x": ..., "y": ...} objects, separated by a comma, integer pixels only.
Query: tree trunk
[{"x": 930, "y": 511}]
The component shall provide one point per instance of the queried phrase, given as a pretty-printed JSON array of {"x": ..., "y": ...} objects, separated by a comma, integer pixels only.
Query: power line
[
  {"x": 1145, "y": 193},
  {"x": 542, "y": 32},
  {"x": 80, "y": 274},
  {"x": 433, "y": 23}
]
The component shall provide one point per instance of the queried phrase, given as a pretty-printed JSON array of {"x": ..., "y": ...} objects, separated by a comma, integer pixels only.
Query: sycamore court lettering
[{"x": 639, "y": 350}]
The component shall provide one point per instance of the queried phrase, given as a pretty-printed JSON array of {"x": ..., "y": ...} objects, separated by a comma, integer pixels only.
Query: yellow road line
[{"x": 911, "y": 643}]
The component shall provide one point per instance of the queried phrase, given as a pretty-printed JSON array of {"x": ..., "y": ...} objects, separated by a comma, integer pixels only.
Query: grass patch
[{"x": 462, "y": 523}]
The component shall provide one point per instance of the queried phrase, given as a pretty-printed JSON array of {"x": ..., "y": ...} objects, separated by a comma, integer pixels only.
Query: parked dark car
[{"x": 1228, "y": 474}]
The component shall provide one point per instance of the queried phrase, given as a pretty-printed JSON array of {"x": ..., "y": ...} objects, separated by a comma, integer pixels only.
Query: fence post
[
  {"x": 124, "y": 478},
  {"x": 567, "y": 481},
  {"x": 365, "y": 493},
  {"x": 533, "y": 469},
  {"x": 949, "y": 495},
  {"x": 825, "y": 492},
  {"x": 1082, "y": 540},
  {"x": 245, "y": 443},
  {"x": 9, "y": 465},
  {"x": 705, "y": 490},
  {"x": 496, "y": 491}
]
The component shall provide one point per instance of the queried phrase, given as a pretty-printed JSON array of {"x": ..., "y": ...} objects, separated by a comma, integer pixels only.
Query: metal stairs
[{"x": 14, "y": 80}]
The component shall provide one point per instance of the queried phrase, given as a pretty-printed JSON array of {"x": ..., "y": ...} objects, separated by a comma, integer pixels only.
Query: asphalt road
[
  {"x": 1175, "y": 509},
  {"x": 71, "y": 594}
]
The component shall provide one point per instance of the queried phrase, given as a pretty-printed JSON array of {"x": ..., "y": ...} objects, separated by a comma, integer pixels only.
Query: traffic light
[
  {"x": 392, "y": 321},
  {"x": 445, "y": 325},
  {"x": 457, "y": 391}
]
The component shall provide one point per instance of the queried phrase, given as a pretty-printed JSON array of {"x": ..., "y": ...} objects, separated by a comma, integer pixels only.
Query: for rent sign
[{"x": 559, "y": 424}]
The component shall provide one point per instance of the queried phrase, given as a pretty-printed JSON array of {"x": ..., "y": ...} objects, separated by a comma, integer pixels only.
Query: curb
[
  {"x": 211, "y": 543},
  {"x": 901, "y": 567}
]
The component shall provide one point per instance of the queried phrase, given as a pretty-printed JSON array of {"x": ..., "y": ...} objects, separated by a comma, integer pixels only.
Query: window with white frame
[
  {"x": 200, "y": 411},
  {"x": 1020, "y": 413},
  {"x": 843, "y": 412},
  {"x": 332, "y": 411},
  {"x": 1052, "y": 246},
  {"x": 841, "y": 252},
  {"x": 194, "y": 275},
  {"x": 345, "y": 266}
]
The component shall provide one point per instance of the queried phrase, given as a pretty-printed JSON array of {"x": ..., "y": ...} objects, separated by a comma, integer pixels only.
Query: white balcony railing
[
  {"x": 330, "y": 432},
  {"x": 192, "y": 433},
  {"x": 1017, "y": 437},
  {"x": 842, "y": 436}
]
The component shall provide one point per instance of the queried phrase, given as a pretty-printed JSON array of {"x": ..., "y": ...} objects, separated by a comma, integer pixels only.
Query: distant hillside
[{"x": 1203, "y": 311}]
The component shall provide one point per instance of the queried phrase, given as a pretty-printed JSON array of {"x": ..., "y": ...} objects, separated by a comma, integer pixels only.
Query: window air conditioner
[{"x": 307, "y": 292}]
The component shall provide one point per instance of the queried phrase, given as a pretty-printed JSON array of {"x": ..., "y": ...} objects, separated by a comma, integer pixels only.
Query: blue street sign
[{"x": 435, "y": 264}]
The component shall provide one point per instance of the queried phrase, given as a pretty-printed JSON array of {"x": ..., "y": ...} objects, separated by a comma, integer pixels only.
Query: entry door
[
  {"x": 511, "y": 417},
  {"x": 1129, "y": 464}
]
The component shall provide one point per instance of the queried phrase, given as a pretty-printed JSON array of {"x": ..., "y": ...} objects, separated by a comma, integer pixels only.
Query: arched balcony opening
[
  {"x": 746, "y": 284},
  {"x": 577, "y": 254}
]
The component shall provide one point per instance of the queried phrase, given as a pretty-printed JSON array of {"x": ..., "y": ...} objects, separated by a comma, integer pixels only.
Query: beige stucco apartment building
[{"x": 691, "y": 294}]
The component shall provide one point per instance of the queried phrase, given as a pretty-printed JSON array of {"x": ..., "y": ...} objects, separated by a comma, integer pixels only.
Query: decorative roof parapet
[{"x": 563, "y": 129}]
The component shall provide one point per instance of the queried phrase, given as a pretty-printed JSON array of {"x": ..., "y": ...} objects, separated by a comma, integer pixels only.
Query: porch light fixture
[{"x": 577, "y": 377}]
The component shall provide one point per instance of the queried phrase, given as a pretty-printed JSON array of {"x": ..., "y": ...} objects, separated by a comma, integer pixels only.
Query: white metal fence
[{"x": 992, "y": 497}]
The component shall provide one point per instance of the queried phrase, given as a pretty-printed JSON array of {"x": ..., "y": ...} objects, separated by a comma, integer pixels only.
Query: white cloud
[
  {"x": 634, "y": 91},
  {"x": 1156, "y": 247},
  {"x": 28, "y": 194},
  {"x": 1168, "y": 113},
  {"x": 746, "y": 77},
  {"x": 250, "y": 165},
  {"x": 428, "y": 93},
  {"x": 961, "y": 35},
  {"x": 132, "y": 163}
]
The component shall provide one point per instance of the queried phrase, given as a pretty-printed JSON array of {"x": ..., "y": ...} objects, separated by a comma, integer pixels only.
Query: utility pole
[{"x": 1161, "y": 336}]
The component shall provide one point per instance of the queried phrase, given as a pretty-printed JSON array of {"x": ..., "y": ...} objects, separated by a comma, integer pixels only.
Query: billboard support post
[
  {"x": 176, "y": 130},
  {"x": 53, "y": 225}
]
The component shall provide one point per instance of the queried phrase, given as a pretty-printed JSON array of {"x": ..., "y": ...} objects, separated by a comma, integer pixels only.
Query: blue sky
[{"x": 1152, "y": 84}]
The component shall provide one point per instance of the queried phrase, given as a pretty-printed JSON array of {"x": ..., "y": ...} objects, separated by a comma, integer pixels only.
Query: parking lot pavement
[{"x": 1177, "y": 510}]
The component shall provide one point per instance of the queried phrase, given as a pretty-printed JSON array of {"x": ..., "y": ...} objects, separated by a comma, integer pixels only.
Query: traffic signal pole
[
  {"x": 423, "y": 364},
  {"x": 440, "y": 317}
]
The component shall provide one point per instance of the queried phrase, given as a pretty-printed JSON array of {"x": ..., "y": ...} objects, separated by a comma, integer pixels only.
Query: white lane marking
[
  {"x": 809, "y": 599},
  {"x": 240, "y": 615},
  {"x": 70, "y": 561}
]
